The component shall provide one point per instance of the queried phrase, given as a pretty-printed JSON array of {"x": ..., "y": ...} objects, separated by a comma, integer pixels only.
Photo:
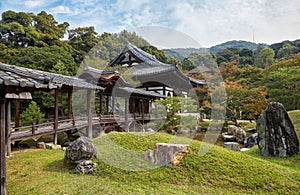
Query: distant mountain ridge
[
  {"x": 181, "y": 53},
  {"x": 234, "y": 44}
]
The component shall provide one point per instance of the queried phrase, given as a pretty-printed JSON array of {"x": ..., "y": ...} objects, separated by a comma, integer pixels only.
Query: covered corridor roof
[{"x": 12, "y": 75}]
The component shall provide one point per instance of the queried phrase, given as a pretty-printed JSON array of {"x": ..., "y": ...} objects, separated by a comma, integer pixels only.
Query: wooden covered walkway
[{"x": 17, "y": 83}]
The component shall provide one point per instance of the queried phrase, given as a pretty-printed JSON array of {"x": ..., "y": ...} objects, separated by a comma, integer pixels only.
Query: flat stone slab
[
  {"x": 167, "y": 154},
  {"x": 228, "y": 138},
  {"x": 232, "y": 146}
]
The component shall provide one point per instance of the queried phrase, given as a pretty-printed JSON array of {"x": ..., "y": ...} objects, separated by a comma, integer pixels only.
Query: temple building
[
  {"x": 149, "y": 79},
  {"x": 153, "y": 75}
]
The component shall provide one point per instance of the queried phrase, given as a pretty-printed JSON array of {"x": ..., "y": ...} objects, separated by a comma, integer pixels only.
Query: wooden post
[
  {"x": 55, "y": 127},
  {"x": 17, "y": 117},
  {"x": 69, "y": 104},
  {"x": 2, "y": 155},
  {"x": 107, "y": 104},
  {"x": 32, "y": 128},
  {"x": 100, "y": 98},
  {"x": 8, "y": 120},
  {"x": 89, "y": 113},
  {"x": 113, "y": 103},
  {"x": 143, "y": 110},
  {"x": 126, "y": 115}
]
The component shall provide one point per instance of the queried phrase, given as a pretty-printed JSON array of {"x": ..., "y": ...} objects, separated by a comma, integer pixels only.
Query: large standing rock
[
  {"x": 167, "y": 154},
  {"x": 81, "y": 149},
  {"x": 276, "y": 133}
]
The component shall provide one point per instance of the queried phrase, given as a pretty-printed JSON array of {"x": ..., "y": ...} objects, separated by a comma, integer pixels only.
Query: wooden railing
[{"x": 47, "y": 127}]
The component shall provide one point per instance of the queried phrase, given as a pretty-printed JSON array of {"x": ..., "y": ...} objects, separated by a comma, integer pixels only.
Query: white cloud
[
  {"x": 60, "y": 10},
  {"x": 208, "y": 21},
  {"x": 37, "y": 3}
]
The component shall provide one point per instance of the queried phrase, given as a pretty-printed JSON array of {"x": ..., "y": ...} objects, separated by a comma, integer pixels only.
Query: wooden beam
[
  {"x": 89, "y": 113},
  {"x": 55, "y": 127},
  {"x": 2, "y": 140},
  {"x": 17, "y": 117},
  {"x": 7, "y": 126}
]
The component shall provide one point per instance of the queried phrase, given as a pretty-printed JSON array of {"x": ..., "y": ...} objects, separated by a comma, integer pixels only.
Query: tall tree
[
  {"x": 244, "y": 103},
  {"x": 265, "y": 58},
  {"x": 83, "y": 38},
  {"x": 46, "y": 58},
  {"x": 287, "y": 51},
  {"x": 26, "y": 29},
  {"x": 159, "y": 54},
  {"x": 283, "y": 85}
]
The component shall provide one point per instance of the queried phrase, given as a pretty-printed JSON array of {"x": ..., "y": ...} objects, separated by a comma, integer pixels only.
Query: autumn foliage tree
[{"x": 243, "y": 103}]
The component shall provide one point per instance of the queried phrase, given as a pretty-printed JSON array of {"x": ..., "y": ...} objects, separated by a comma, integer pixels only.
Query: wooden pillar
[
  {"x": 2, "y": 155},
  {"x": 143, "y": 110},
  {"x": 69, "y": 104},
  {"x": 89, "y": 113},
  {"x": 126, "y": 114},
  {"x": 101, "y": 104},
  {"x": 107, "y": 104},
  {"x": 7, "y": 126},
  {"x": 113, "y": 103},
  {"x": 17, "y": 117},
  {"x": 164, "y": 90},
  {"x": 55, "y": 127}
]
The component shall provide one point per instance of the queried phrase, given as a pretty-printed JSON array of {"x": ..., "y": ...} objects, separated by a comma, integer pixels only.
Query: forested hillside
[{"x": 253, "y": 73}]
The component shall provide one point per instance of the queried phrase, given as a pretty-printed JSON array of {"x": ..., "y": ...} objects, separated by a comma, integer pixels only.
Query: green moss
[{"x": 219, "y": 171}]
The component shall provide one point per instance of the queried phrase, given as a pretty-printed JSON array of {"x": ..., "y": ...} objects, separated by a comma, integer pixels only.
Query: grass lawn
[{"x": 220, "y": 171}]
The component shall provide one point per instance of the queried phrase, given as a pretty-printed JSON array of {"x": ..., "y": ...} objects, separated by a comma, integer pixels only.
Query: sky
[{"x": 206, "y": 22}]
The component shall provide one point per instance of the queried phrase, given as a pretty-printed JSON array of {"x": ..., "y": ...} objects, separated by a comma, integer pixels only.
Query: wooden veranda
[{"x": 18, "y": 83}]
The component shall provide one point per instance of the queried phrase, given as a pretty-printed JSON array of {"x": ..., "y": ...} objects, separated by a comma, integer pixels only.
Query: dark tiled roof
[
  {"x": 11, "y": 75},
  {"x": 148, "y": 65},
  {"x": 136, "y": 91},
  {"x": 197, "y": 81},
  {"x": 141, "y": 55},
  {"x": 144, "y": 69},
  {"x": 103, "y": 75}
]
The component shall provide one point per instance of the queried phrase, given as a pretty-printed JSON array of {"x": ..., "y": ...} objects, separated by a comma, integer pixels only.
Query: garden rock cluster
[
  {"x": 276, "y": 132},
  {"x": 79, "y": 153},
  {"x": 234, "y": 134}
]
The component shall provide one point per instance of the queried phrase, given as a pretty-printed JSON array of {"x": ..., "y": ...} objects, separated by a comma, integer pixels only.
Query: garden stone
[
  {"x": 81, "y": 149},
  {"x": 41, "y": 145},
  {"x": 228, "y": 138},
  {"x": 52, "y": 146},
  {"x": 85, "y": 167},
  {"x": 167, "y": 154},
  {"x": 276, "y": 132},
  {"x": 232, "y": 145},
  {"x": 232, "y": 129},
  {"x": 240, "y": 136},
  {"x": 49, "y": 145},
  {"x": 251, "y": 140}
]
